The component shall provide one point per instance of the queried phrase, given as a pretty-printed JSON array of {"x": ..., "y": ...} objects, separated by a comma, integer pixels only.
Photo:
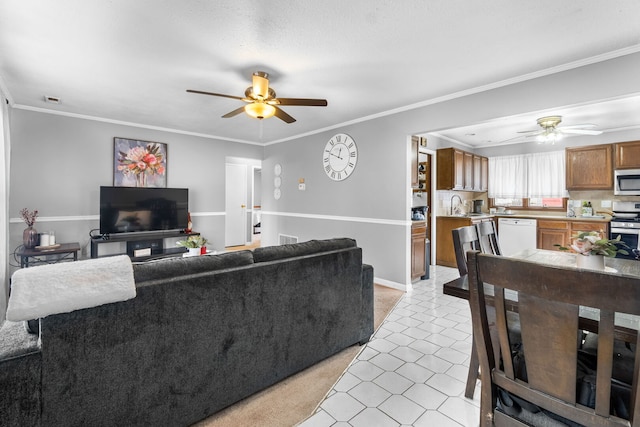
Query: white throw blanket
[{"x": 61, "y": 288}]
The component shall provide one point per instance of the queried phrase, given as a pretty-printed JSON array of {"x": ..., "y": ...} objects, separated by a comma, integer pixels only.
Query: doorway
[{"x": 235, "y": 204}]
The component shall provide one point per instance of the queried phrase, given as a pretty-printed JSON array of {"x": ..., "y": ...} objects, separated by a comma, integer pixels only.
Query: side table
[{"x": 65, "y": 252}]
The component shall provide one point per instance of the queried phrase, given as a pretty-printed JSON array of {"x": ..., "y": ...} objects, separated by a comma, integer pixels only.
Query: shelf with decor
[{"x": 152, "y": 245}]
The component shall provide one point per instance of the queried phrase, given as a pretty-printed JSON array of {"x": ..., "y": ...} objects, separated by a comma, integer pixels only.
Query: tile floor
[{"x": 414, "y": 369}]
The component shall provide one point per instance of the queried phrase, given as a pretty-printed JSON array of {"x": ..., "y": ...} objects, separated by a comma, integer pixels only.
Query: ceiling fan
[
  {"x": 551, "y": 132},
  {"x": 262, "y": 101}
]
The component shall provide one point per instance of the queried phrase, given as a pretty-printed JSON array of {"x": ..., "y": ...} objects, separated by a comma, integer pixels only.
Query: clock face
[{"x": 340, "y": 157}]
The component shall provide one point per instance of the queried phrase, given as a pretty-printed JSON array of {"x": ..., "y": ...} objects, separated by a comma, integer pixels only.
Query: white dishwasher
[{"x": 516, "y": 234}]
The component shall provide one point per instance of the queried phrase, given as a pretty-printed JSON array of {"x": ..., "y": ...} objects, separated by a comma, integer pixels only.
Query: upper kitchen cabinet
[
  {"x": 589, "y": 167},
  {"x": 627, "y": 155},
  {"x": 460, "y": 170}
]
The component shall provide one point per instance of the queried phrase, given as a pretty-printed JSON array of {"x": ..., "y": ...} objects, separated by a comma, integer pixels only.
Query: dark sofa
[{"x": 201, "y": 334}]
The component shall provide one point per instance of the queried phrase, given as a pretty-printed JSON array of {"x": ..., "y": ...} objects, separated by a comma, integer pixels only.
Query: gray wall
[
  {"x": 58, "y": 164},
  {"x": 372, "y": 204}
]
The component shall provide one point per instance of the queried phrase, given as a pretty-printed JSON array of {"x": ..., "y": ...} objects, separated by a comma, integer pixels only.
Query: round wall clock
[{"x": 340, "y": 157}]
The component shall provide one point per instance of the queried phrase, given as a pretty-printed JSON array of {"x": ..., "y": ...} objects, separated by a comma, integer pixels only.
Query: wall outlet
[
  {"x": 301, "y": 187},
  {"x": 605, "y": 203}
]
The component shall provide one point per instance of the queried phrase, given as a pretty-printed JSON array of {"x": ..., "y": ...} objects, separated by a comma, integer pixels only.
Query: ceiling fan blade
[
  {"x": 580, "y": 131},
  {"x": 583, "y": 126},
  {"x": 531, "y": 132},
  {"x": 300, "y": 101},
  {"x": 283, "y": 116},
  {"x": 215, "y": 94},
  {"x": 234, "y": 113}
]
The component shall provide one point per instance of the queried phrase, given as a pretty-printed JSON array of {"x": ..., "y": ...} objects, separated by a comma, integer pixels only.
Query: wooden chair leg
[{"x": 472, "y": 376}]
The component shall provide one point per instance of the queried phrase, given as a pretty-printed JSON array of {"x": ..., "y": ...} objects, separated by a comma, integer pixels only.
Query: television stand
[{"x": 152, "y": 245}]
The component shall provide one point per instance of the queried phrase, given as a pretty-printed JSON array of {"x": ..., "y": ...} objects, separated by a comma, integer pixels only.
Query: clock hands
[{"x": 337, "y": 155}]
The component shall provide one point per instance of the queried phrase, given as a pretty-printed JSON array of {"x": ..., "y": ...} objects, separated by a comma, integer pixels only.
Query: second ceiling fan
[
  {"x": 551, "y": 132},
  {"x": 262, "y": 102}
]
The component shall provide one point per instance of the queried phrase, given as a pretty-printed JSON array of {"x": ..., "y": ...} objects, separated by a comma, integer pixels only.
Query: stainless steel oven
[
  {"x": 626, "y": 224},
  {"x": 626, "y": 182}
]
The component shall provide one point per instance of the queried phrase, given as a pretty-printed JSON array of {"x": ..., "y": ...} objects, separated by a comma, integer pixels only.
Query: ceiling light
[
  {"x": 550, "y": 136},
  {"x": 260, "y": 110}
]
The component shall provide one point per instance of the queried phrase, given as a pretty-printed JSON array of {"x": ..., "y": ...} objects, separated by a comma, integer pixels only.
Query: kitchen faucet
[{"x": 459, "y": 200}]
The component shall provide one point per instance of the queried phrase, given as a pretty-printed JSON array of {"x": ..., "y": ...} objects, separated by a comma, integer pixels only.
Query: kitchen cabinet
[
  {"x": 461, "y": 170},
  {"x": 450, "y": 165},
  {"x": 551, "y": 233},
  {"x": 468, "y": 171},
  {"x": 419, "y": 263},
  {"x": 589, "y": 167},
  {"x": 445, "y": 253},
  {"x": 484, "y": 174},
  {"x": 558, "y": 232},
  {"x": 627, "y": 155},
  {"x": 578, "y": 227}
]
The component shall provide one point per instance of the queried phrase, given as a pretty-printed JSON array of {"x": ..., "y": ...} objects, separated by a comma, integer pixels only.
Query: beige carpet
[{"x": 294, "y": 399}]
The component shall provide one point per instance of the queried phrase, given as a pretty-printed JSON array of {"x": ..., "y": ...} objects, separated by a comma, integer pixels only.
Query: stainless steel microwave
[{"x": 627, "y": 182}]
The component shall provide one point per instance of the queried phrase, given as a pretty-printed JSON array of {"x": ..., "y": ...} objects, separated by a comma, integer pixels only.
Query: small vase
[
  {"x": 30, "y": 237},
  {"x": 592, "y": 262},
  {"x": 194, "y": 251}
]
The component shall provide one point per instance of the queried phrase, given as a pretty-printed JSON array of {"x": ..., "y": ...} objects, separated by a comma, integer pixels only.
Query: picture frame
[{"x": 138, "y": 163}]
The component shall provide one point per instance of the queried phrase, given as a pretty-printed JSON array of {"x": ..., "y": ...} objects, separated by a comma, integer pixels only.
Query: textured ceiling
[{"x": 132, "y": 61}]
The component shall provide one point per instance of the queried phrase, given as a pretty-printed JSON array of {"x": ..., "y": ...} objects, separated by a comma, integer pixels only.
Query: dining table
[{"x": 626, "y": 325}]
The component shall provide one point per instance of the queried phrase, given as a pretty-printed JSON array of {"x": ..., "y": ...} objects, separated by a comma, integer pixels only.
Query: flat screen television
[{"x": 132, "y": 209}]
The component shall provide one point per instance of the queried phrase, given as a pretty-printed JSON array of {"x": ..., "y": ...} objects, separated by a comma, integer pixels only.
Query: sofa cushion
[
  {"x": 270, "y": 253},
  {"x": 166, "y": 268}
]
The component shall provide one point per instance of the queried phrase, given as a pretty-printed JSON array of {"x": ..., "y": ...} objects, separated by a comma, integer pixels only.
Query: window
[
  {"x": 551, "y": 203},
  {"x": 530, "y": 181}
]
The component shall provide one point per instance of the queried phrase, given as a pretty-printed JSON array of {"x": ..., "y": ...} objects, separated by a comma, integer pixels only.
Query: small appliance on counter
[
  {"x": 477, "y": 206},
  {"x": 419, "y": 213}
]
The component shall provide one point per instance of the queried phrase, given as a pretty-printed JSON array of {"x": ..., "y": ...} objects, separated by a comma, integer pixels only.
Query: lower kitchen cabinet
[
  {"x": 445, "y": 253},
  {"x": 419, "y": 262},
  {"x": 552, "y": 232}
]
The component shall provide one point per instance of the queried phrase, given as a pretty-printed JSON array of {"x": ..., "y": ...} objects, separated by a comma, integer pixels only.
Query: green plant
[
  {"x": 592, "y": 243},
  {"x": 195, "y": 241}
]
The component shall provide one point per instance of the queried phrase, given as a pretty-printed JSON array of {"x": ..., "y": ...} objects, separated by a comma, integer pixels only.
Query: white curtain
[
  {"x": 528, "y": 175},
  {"x": 547, "y": 175},
  {"x": 4, "y": 205},
  {"x": 508, "y": 177}
]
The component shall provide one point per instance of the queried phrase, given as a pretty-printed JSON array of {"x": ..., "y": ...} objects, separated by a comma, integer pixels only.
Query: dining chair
[
  {"x": 547, "y": 379},
  {"x": 488, "y": 237},
  {"x": 464, "y": 239}
]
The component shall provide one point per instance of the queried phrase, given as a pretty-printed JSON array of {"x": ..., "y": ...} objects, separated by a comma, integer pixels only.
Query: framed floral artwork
[{"x": 139, "y": 163}]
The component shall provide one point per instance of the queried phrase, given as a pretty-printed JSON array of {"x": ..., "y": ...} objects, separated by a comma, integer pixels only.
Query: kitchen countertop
[{"x": 606, "y": 218}]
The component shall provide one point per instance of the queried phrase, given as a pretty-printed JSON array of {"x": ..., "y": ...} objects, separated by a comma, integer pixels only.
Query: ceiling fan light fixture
[
  {"x": 549, "y": 137},
  {"x": 260, "y": 110},
  {"x": 261, "y": 84}
]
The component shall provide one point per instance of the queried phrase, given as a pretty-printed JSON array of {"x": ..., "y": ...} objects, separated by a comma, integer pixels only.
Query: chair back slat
[
  {"x": 548, "y": 300},
  {"x": 488, "y": 237},
  {"x": 464, "y": 239},
  {"x": 550, "y": 358}
]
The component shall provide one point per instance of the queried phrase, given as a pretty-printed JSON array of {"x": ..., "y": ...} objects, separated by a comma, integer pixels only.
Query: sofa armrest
[{"x": 367, "y": 300}]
